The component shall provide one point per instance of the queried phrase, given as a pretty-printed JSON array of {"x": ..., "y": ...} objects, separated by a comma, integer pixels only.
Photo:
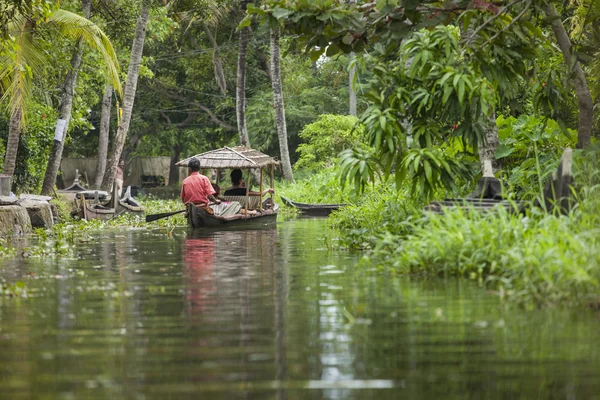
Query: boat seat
[{"x": 254, "y": 201}]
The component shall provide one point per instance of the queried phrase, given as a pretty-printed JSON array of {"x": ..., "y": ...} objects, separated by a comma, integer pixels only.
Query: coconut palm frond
[
  {"x": 586, "y": 13},
  {"x": 216, "y": 12},
  {"x": 211, "y": 15},
  {"x": 17, "y": 72},
  {"x": 77, "y": 27}
]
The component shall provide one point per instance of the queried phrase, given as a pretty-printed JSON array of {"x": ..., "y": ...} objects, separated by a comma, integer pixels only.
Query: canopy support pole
[
  {"x": 248, "y": 189},
  {"x": 272, "y": 175},
  {"x": 261, "y": 189}
]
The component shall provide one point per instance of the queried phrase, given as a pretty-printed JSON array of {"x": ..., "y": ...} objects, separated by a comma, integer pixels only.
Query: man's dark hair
[
  {"x": 194, "y": 164},
  {"x": 236, "y": 176}
]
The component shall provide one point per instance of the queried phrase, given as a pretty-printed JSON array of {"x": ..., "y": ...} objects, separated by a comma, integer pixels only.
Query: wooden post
[
  {"x": 272, "y": 179},
  {"x": 261, "y": 189},
  {"x": 248, "y": 189}
]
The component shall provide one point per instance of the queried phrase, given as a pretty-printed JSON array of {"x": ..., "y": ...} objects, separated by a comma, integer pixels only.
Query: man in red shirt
[{"x": 196, "y": 188}]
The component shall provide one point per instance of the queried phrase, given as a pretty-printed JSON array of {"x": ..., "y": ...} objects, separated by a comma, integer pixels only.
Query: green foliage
[
  {"x": 381, "y": 212},
  {"x": 310, "y": 90},
  {"x": 538, "y": 259},
  {"x": 532, "y": 259},
  {"x": 427, "y": 94},
  {"x": 530, "y": 148},
  {"x": 34, "y": 146},
  {"x": 325, "y": 138},
  {"x": 316, "y": 187}
]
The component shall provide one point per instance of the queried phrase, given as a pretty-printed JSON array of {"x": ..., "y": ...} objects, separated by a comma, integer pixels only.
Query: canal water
[{"x": 137, "y": 314}]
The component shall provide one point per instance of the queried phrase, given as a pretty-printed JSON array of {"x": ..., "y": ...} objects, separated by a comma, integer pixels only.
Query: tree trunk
[
  {"x": 240, "y": 95},
  {"x": 219, "y": 74},
  {"x": 103, "y": 136},
  {"x": 280, "y": 107},
  {"x": 351, "y": 91},
  {"x": 584, "y": 98},
  {"x": 128, "y": 97},
  {"x": 487, "y": 150},
  {"x": 173, "y": 169},
  {"x": 12, "y": 144},
  {"x": 64, "y": 115}
]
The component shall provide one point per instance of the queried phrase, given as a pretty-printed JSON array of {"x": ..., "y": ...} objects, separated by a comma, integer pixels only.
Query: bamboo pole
[
  {"x": 248, "y": 189},
  {"x": 261, "y": 189},
  {"x": 272, "y": 179}
]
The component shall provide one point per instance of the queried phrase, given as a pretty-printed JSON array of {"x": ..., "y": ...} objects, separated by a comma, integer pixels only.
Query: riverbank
[{"x": 533, "y": 259}]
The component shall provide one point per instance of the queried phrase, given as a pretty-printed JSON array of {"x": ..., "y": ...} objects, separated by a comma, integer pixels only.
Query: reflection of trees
[{"x": 269, "y": 306}]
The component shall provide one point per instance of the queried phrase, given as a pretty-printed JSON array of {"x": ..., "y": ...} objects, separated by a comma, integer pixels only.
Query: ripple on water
[{"x": 273, "y": 314}]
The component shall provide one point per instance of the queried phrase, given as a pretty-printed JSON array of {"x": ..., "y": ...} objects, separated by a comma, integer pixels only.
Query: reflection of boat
[
  {"x": 198, "y": 218},
  {"x": 256, "y": 214},
  {"x": 321, "y": 210}
]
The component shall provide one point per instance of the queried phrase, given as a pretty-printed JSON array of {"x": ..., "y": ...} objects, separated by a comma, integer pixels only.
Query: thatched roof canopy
[{"x": 236, "y": 157}]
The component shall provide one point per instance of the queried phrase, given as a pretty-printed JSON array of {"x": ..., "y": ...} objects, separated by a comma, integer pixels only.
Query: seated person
[
  {"x": 217, "y": 190},
  {"x": 196, "y": 188},
  {"x": 238, "y": 187}
]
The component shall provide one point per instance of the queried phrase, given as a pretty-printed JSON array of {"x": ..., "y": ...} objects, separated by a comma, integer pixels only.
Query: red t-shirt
[{"x": 196, "y": 188}]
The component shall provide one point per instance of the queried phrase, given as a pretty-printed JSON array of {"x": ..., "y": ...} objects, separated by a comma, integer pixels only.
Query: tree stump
[
  {"x": 14, "y": 220},
  {"x": 39, "y": 212},
  {"x": 5, "y": 185}
]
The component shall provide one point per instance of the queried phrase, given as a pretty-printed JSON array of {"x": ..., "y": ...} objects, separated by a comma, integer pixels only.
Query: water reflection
[
  {"x": 199, "y": 258},
  {"x": 275, "y": 315}
]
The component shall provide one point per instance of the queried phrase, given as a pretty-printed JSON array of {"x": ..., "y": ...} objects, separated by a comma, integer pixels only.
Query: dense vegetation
[{"x": 441, "y": 88}]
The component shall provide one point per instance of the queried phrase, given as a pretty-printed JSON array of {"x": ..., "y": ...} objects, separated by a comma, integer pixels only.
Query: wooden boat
[
  {"x": 557, "y": 193},
  {"x": 317, "y": 210},
  {"x": 127, "y": 204},
  {"x": 255, "y": 214},
  {"x": 198, "y": 218},
  {"x": 95, "y": 210}
]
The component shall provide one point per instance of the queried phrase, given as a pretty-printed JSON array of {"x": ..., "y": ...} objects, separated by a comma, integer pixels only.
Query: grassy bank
[{"x": 533, "y": 259}]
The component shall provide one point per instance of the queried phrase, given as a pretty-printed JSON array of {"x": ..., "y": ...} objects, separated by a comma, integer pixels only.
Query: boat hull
[
  {"x": 313, "y": 210},
  {"x": 123, "y": 208},
  {"x": 91, "y": 211},
  {"x": 200, "y": 219}
]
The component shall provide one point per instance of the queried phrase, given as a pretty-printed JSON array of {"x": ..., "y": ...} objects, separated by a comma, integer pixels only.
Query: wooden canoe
[
  {"x": 125, "y": 207},
  {"x": 198, "y": 218},
  {"x": 127, "y": 204},
  {"x": 96, "y": 211},
  {"x": 317, "y": 210}
]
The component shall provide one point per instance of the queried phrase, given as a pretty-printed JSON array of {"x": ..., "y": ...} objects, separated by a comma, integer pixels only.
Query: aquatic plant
[{"x": 537, "y": 259}]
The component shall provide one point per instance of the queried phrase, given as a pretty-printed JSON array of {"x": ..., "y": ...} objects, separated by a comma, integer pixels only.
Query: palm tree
[
  {"x": 135, "y": 61},
  {"x": 103, "y": 136},
  {"x": 240, "y": 93},
  {"x": 64, "y": 115},
  {"x": 280, "y": 106},
  {"x": 18, "y": 70}
]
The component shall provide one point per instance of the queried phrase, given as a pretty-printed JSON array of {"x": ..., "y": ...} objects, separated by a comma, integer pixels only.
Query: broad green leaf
[
  {"x": 280, "y": 13},
  {"x": 503, "y": 151}
]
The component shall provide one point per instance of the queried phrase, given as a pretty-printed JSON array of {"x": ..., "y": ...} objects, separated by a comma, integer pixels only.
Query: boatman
[{"x": 196, "y": 188}]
